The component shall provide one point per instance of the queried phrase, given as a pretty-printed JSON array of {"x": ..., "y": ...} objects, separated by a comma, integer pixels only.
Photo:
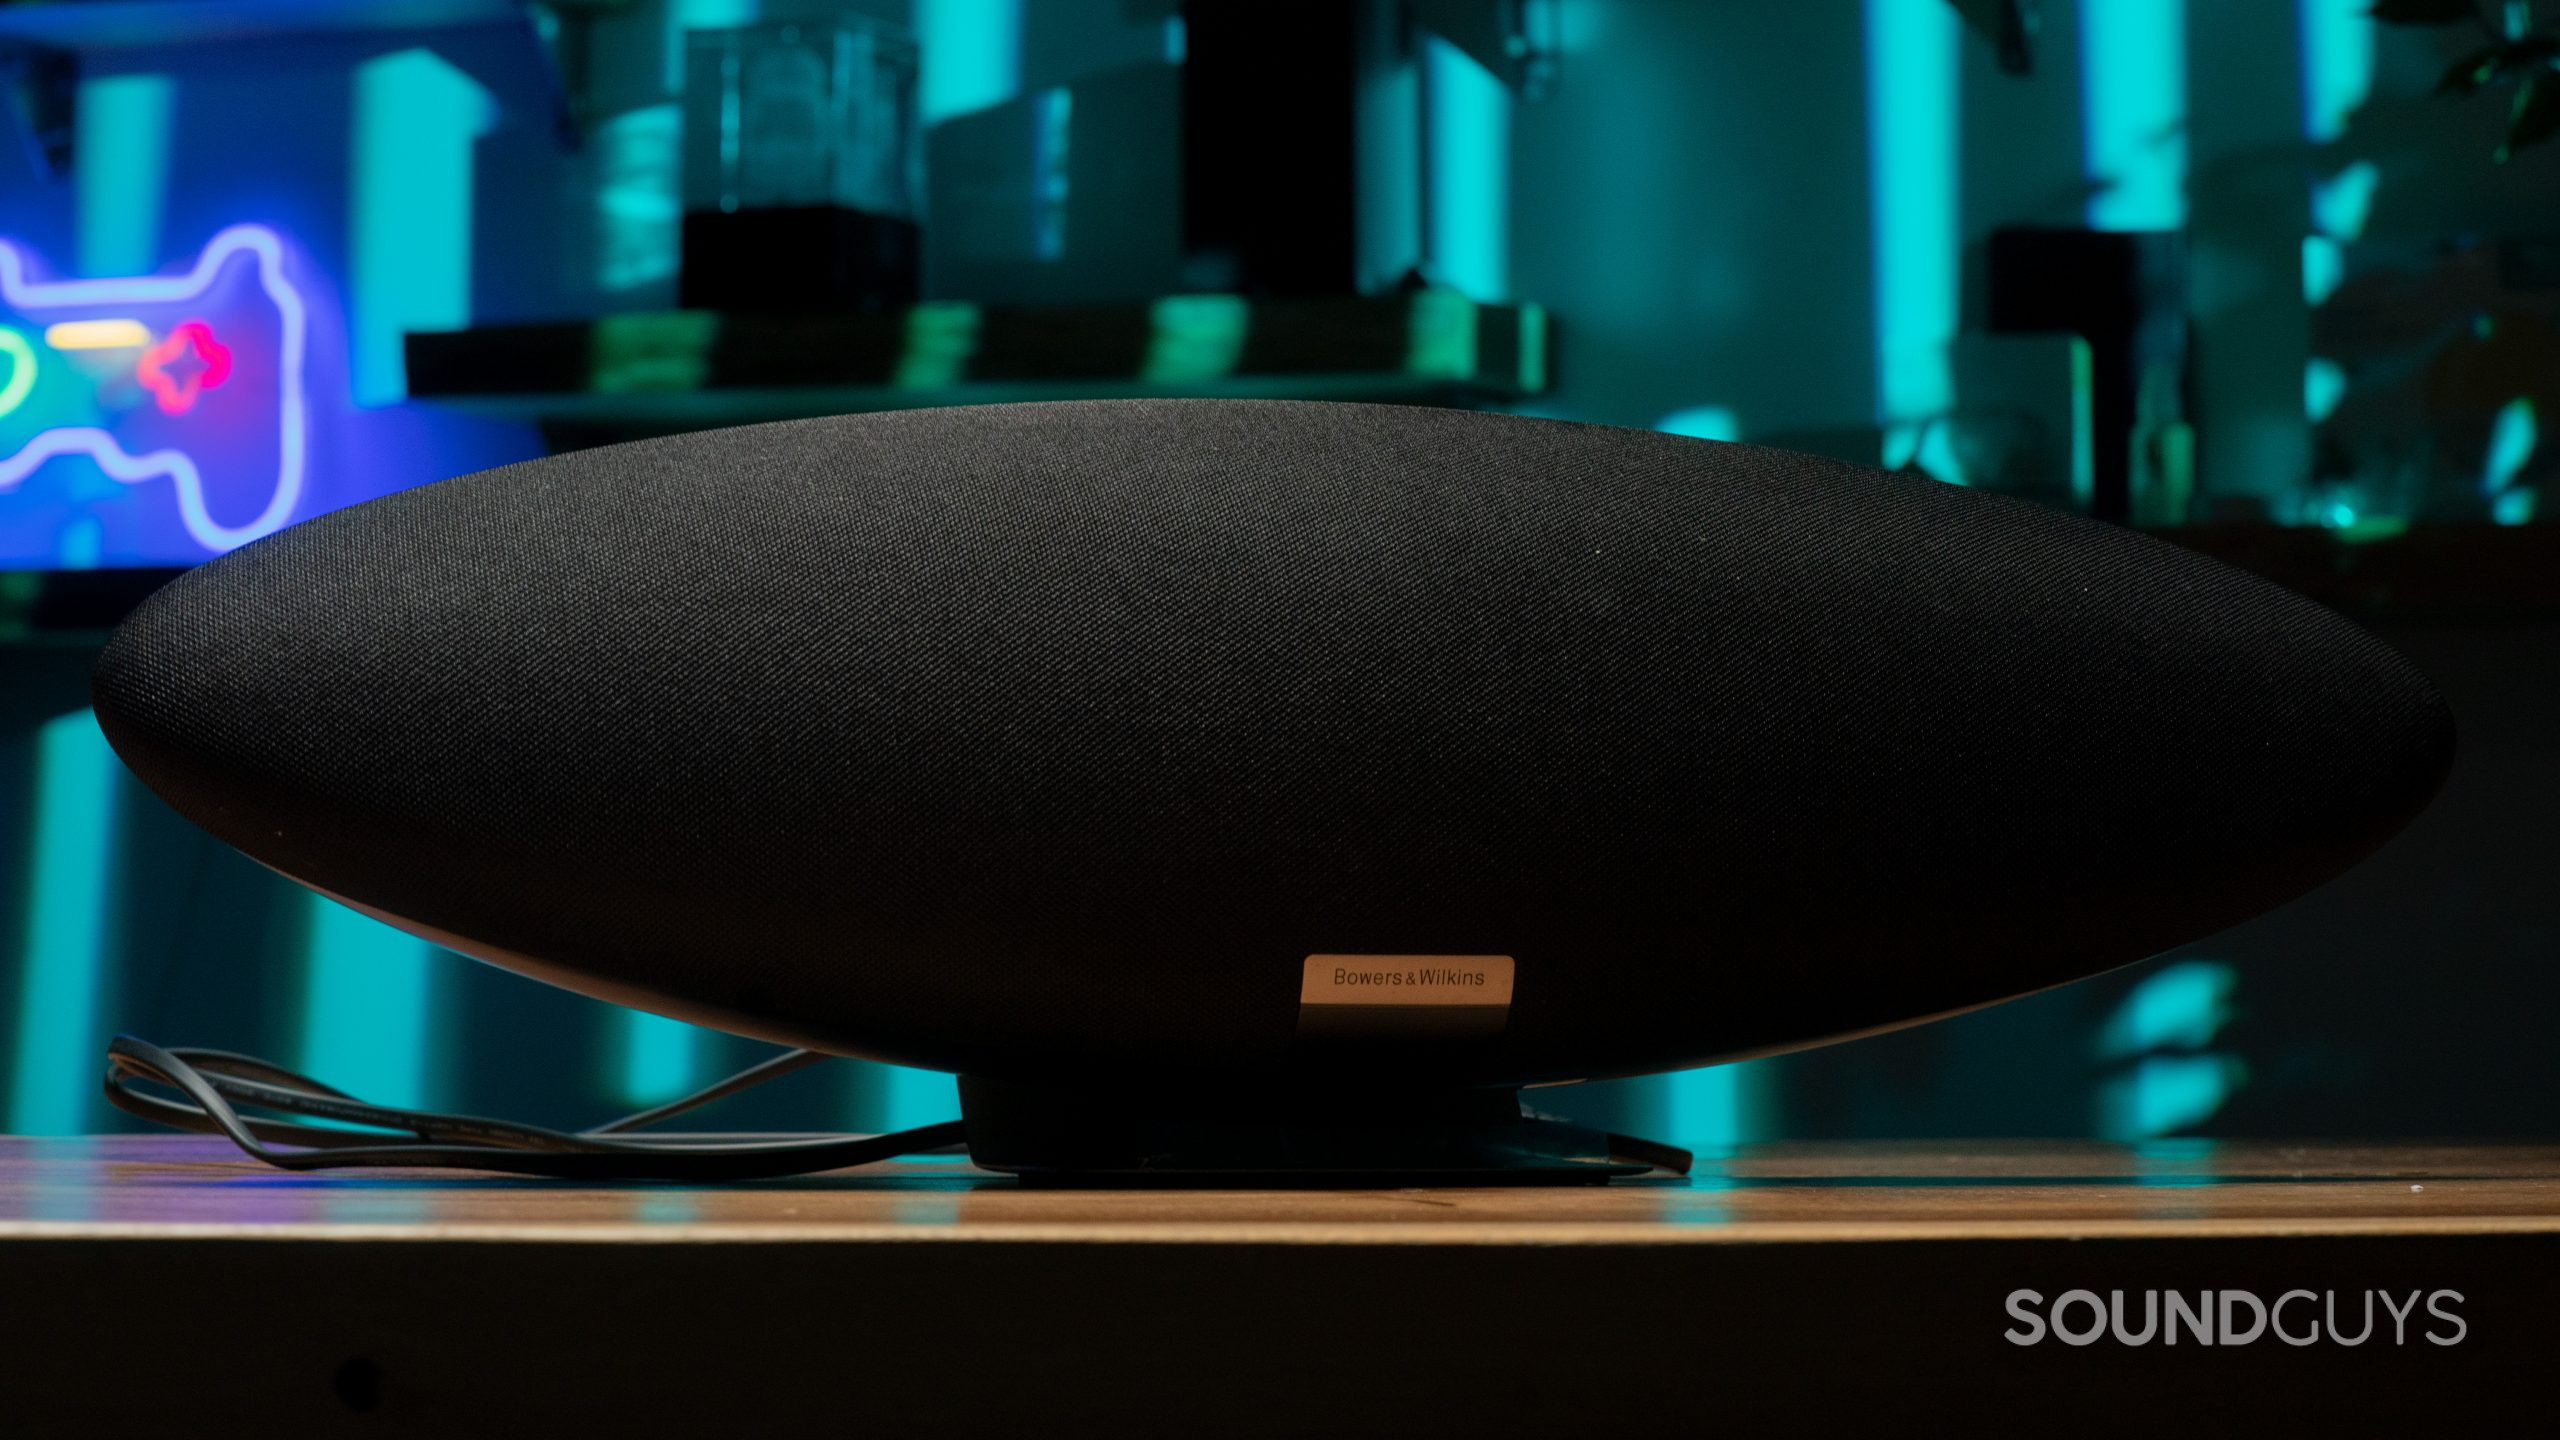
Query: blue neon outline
[{"x": 177, "y": 466}]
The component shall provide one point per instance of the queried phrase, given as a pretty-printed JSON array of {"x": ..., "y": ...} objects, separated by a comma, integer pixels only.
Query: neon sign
[{"x": 196, "y": 379}]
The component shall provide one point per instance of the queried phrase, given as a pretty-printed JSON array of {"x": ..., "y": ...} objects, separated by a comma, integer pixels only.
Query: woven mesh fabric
[{"x": 1031, "y": 739}]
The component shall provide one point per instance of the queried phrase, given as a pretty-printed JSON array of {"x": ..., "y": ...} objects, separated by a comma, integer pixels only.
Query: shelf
[
  {"x": 40, "y": 44},
  {"x": 129, "y": 24},
  {"x": 2421, "y": 572},
  {"x": 685, "y": 370},
  {"x": 1782, "y": 1289},
  {"x": 71, "y": 607}
]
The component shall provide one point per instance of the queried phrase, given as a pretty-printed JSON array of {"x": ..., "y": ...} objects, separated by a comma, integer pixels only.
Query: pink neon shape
[{"x": 173, "y": 379}]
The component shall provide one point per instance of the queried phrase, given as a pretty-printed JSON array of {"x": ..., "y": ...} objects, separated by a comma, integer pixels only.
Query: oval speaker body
[{"x": 1251, "y": 740}]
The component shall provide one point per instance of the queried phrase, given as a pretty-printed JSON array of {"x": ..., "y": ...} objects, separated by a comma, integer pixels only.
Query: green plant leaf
[
  {"x": 2424, "y": 12},
  {"x": 2536, "y": 117},
  {"x": 2470, "y": 72}
]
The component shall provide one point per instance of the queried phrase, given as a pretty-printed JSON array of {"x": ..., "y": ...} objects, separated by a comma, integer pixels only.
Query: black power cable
[
  {"x": 212, "y": 1082},
  {"x": 212, "y": 1085}
]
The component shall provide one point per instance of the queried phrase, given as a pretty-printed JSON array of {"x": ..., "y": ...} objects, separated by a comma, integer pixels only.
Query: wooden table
[{"x": 161, "y": 1282}]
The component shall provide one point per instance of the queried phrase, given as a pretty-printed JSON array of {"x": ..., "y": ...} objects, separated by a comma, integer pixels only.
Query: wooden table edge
[{"x": 1456, "y": 1233}]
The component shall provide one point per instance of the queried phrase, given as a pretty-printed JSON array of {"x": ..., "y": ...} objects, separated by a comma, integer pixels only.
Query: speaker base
[{"x": 1176, "y": 1137}]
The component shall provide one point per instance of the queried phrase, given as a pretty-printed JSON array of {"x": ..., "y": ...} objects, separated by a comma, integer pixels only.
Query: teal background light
[
  {"x": 658, "y": 1058},
  {"x": 2161, "y": 1033},
  {"x": 683, "y": 15},
  {"x": 2337, "y": 64},
  {"x": 124, "y": 172},
  {"x": 639, "y": 197},
  {"x": 2341, "y": 204},
  {"x": 1467, "y": 130},
  {"x": 2133, "y": 87},
  {"x": 2513, "y": 437},
  {"x": 1701, "y": 422},
  {"x": 1912, "y": 132},
  {"x": 368, "y": 1019},
  {"x": 968, "y": 55},
  {"x": 2182, "y": 1004},
  {"x": 416, "y": 121},
  {"x": 2324, "y": 384},
  {"x": 2324, "y": 268},
  {"x": 2167, "y": 1093},
  {"x": 909, "y": 1098},
  {"x": 676, "y": 17},
  {"x": 121, "y": 195},
  {"x": 1050, "y": 175},
  {"x": 1715, "y": 1108},
  {"x": 62, "y": 960}
]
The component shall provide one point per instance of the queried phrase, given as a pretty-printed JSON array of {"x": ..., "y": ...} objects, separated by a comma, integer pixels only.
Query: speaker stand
[{"x": 1174, "y": 1135}]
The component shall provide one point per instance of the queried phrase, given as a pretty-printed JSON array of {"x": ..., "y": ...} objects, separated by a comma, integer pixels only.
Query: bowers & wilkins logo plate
[{"x": 1400, "y": 995}]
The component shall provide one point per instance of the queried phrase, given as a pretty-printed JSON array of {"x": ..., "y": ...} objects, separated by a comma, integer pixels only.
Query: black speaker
[{"x": 1256, "y": 749}]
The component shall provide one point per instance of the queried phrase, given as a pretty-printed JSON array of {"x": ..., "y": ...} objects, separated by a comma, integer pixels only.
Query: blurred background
[{"x": 2279, "y": 280}]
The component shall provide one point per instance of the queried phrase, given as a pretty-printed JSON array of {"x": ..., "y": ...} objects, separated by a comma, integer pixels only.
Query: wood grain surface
[
  {"x": 164, "y": 1286},
  {"x": 108, "y": 1186}
]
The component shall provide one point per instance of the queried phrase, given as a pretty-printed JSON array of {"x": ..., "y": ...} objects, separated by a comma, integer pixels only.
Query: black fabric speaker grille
[{"x": 1027, "y": 739}]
